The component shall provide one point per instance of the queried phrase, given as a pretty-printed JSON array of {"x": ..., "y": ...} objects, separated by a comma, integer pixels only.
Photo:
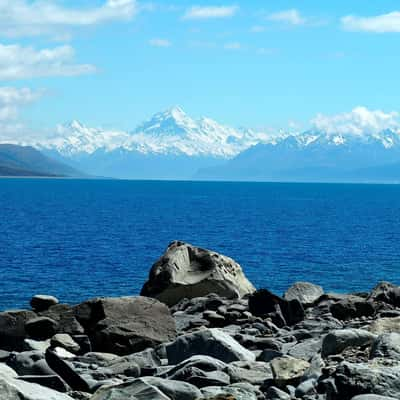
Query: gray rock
[
  {"x": 175, "y": 390},
  {"x": 146, "y": 359},
  {"x": 338, "y": 340},
  {"x": 134, "y": 390},
  {"x": 385, "y": 325},
  {"x": 235, "y": 392},
  {"x": 64, "y": 315},
  {"x": 29, "y": 363},
  {"x": 387, "y": 293},
  {"x": 12, "y": 329},
  {"x": 200, "y": 378},
  {"x": 42, "y": 302},
  {"x": 264, "y": 303},
  {"x": 41, "y": 328},
  {"x": 204, "y": 363},
  {"x": 15, "y": 389},
  {"x": 268, "y": 355},
  {"x": 50, "y": 381},
  {"x": 122, "y": 368},
  {"x": 288, "y": 370},
  {"x": 7, "y": 371},
  {"x": 36, "y": 345},
  {"x": 185, "y": 322},
  {"x": 101, "y": 358},
  {"x": 126, "y": 325},
  {"x": 66, "y": 371},
  {"x": 372, "y": 397},
  {"x": 372, "y": 378},
  {"x": 255, "y": 372},
  {"x": 386, "y": 345},
  {"x": 275, "y": 393},
  {"x": 306, "y": 388},
  {"x": 307, "y": 293},
  {"x": 185, "y": 271},
  {"x": 4, "y": 354},
  {"x": 352, "y": 307},
  {"x": 211, "y": 342},
  {"x": 65, "y": 341},
  {"x": 306, "y": 349}
]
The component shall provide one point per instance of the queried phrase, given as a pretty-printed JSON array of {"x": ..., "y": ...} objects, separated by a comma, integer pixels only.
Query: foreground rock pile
[{"x": 231, "y": 342}]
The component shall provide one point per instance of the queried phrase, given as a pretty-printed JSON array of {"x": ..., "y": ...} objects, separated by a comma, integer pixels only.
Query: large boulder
[
  {"x": 386, "y": 346},
  {"x": 337, "y": 341},
  {"x": 12, "y": 329},
  {"x": 209, "y": 342},
  {"x": 372, "y": 378},
  {"x": 126, "y": 325},
  {"x": 307, "y": 293},
  {"x": 188, "y": 271},
  {"x": 352, "y": 307},
  {"x": 387, "y": 293}
]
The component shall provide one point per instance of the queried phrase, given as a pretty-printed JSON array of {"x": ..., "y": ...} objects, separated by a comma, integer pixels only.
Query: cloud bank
[
  {"x": 18, "y": 62},
  {"x": 42, "y": 17},
  {"x": 377, "y": 24},
  {"x": 359, "y": 121}
]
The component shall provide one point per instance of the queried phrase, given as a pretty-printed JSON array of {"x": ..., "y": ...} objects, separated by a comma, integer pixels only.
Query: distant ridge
[{"x": 18, "y": 160}]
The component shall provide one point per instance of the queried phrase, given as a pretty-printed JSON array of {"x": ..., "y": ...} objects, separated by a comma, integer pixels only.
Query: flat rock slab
[
  {"x": 14, "y": 389},
  {"x": 126, "y": 325},
  {"x": 135, "y": 390}
]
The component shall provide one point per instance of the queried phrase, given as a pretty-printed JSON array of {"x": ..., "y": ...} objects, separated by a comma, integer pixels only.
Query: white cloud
[
  {"x": 18, "y": 62},
  {"x": 378, "y": 24},
  {"x": 291, "y": 17},
  {"x": 197, "y": 12},
  {"x": 160, "y": 43},
  {"x": 38, "y": 17},
  {"x": 11, "y": 101},
  {"x": 232, "y": 46},
  {"x": 359, "y": 121}
]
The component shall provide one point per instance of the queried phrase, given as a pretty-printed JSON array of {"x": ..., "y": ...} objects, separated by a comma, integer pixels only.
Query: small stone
[
  {"x": 42, "y": 302},
  {"x": 288, "y": 370}
]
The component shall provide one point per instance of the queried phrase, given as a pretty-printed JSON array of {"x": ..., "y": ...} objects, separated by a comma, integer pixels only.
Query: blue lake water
[{"x": 78, "y": 239}]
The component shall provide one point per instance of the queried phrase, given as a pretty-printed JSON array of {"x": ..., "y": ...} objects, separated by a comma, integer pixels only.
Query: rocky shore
[{"x": 200, "y": 330}]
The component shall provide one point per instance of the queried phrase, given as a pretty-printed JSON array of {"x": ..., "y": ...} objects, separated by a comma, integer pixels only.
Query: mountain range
[
  {"x": 173, "y": 145},
  {"x": 170, "y": 145},
  {"x": 18, "y": 160}
]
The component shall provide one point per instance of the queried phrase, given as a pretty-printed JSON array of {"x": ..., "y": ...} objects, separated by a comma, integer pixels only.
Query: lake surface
[{"x": 77, "y": 239}]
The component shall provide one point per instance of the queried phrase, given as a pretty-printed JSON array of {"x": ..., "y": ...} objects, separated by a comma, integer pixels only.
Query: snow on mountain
[{"x": 168, "y": 132}]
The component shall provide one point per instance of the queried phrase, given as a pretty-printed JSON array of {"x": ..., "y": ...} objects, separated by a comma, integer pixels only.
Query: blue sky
[{"x": 258, "y": 64}]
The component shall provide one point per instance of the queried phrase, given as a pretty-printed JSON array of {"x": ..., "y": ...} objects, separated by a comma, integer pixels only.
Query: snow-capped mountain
[
  {"x": 173, "y": 145},
  {"x": 317, "y": 156},
  {"x": 170, "y": 132}
]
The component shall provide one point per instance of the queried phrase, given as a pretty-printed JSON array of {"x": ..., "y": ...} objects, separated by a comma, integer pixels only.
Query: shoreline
[{"x": 199, "y": 330}]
